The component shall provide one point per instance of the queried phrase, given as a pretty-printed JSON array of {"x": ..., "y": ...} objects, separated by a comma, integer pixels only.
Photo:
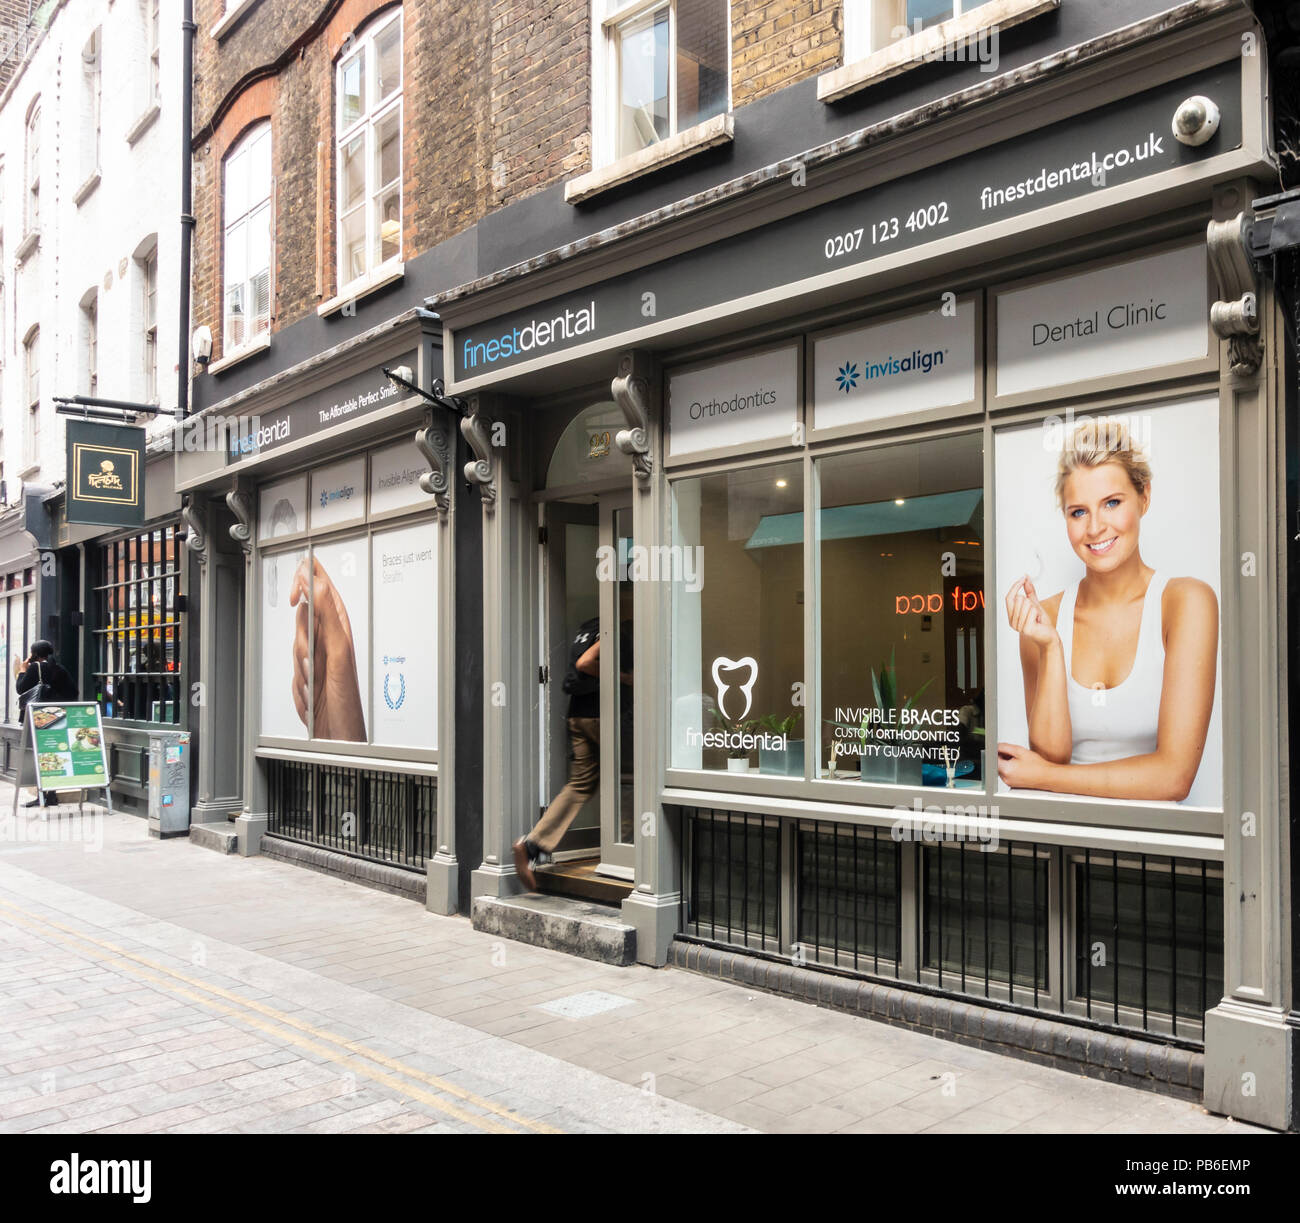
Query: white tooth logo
[{"x": 723, "y": 663}]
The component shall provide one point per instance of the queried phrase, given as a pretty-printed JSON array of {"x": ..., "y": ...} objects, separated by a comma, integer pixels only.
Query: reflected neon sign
[{"x": 932, "y": 604}]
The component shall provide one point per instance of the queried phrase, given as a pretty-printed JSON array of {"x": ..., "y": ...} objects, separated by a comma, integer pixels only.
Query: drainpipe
[{"x": 187, "y": 203}]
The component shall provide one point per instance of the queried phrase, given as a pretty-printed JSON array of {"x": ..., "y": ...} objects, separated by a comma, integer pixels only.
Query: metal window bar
[{"x": 378, "y": 815}]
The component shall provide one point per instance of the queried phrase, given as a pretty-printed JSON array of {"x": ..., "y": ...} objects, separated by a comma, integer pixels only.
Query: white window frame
[
  {"x": 256, "y": 211},
  {"x": 605, "y": 73},
  {"x": 374, "y": 112},
  {"x": 860, "y": 18},
  {"x": 149, "y": 322},
  {"x": 90, "y": 346},
  {"x": 32, "y": 170},
  {"x": 32, "y": 396},
  {"x": 92, "y": 63},
  {"x": 153, "y": 40}
]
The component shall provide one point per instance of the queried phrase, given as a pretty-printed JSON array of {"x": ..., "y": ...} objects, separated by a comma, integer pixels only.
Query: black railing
[
  {"x": 734, "y": 895},
  {"x": 1120, "y": 941},
  {"x": 368, "y": 813},
  {"x": 849, "y": 896}
]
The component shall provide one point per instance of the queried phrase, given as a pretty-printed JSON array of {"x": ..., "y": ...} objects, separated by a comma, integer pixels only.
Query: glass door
[{"x": 617, "y": 693}]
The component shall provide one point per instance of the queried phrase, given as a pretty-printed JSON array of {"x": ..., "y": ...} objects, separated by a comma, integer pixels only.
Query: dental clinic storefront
[
  {"x": 321, "y": 505},
  {"x": 952, "y": 560}
]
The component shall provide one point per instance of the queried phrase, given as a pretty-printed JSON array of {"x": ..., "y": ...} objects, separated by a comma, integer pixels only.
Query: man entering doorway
[{"x": 582, "y": 683}]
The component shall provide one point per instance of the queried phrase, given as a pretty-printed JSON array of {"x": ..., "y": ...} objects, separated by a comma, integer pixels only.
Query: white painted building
[{"x": 90, "y": 132}]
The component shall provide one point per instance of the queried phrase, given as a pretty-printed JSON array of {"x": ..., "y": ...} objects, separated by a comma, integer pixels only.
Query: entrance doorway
[
  {"x": 585, "y": 520},
  {"x": 587, "y": 596}
]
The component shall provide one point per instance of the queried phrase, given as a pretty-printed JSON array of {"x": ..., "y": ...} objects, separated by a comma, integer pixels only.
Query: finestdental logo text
[{"x": 535, "y": 335}]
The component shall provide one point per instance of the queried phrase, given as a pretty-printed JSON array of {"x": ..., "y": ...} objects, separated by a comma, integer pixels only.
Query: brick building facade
[{"x": 606, "y": 205}]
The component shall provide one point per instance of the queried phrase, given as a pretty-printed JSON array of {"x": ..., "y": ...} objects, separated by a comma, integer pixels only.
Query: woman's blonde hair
[{"x": 1103, "y": 440}]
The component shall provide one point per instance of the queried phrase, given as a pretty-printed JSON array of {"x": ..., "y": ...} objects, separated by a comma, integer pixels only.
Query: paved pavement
[{"x": 152, "y": 985}]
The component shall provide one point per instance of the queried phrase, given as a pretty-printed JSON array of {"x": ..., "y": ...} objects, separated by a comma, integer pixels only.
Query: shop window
[
  {"x": 737, "y": 631},
  {"x": 850, "y": 885},
  {"x": 901, "y": 550},
  {"x": 32, "y": 204},
  {"x": 138, "y": 635},
  {"x": 347, "y": 650},
  {"x": 246, "y": 200},
  {"x": 369, "y": 152},
  {"x": 662, "y": 67},
  {"x": 985, "y": 918},
  {"x": 17, "y": 632},
  {"x": 871, "y": 25},
  {"x": 1148, "y": 936}
]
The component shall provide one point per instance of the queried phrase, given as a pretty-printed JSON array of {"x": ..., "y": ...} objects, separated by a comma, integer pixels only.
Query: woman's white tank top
[{"x": 1112, "y": 723}]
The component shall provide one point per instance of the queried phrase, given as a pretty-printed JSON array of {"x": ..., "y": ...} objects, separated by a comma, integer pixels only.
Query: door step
[
  {"x": 579, "y": 879},
  {"x": 221, "y": 837},
  {"x": 577, "y": 927}
]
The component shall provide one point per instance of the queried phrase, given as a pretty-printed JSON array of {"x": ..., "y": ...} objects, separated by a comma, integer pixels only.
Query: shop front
[
  {"x": 26, "y": 576},
  {"x": 321, "y": 510},
  {"x": 942, "y": 523}
]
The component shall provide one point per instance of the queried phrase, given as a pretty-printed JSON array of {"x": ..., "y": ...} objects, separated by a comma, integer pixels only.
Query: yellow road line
[{"x": 44, "y": 925}]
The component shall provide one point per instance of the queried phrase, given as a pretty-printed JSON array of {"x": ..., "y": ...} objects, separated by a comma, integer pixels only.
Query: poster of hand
[{"x": 326, "y": 676}]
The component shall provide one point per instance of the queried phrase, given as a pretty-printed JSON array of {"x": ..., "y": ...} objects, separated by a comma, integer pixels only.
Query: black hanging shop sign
[{"x": 105, "y": 474}]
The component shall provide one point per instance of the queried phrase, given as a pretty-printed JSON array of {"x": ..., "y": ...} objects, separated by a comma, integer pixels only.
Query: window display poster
[
  {"x": 405, "y": 674},
  {"x": 330, "y": 596},
  {"x": 68, "y": 744},
  {"x": 910, "y": 364},
  {"x": 282, "y": 508},
  {"x": 1108, "y": 552},
  {"x": 280, "y": 718},
  {"x": 338, "y": 494},
  {"x": 395, "y": 473}
]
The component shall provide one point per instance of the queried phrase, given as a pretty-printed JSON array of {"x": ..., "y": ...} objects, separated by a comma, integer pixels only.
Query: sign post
[{"x": 67, "y": 740}]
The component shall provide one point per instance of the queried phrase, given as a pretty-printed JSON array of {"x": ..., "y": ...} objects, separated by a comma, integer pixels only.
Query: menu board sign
[{"x": 68, "y": 744}]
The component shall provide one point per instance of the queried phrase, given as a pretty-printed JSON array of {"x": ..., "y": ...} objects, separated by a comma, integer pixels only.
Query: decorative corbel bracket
[
  {"x": 1234, "y": 316},
  {"x": 240, "y": 501},
  {"x": 631, "y": 391},
  {"x": 482, "y": 469},
  {"x": 434, "y": 442},
  {"x": 196, "y": 529}
]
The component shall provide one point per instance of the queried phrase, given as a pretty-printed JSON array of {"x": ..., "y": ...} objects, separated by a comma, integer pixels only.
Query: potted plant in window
[
  {"x": 785, "y": 761},
  {"x": 737, "y": 756}
]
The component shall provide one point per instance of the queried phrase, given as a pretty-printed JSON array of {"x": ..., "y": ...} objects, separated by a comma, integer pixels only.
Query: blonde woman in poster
[{"x": 1119, "y": 667}]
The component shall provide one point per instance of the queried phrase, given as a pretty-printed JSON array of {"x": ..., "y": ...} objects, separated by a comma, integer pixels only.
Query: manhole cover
[{"x": 584, "y": 1005}]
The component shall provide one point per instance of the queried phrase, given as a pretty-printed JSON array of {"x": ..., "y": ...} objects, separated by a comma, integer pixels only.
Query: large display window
[
  {"x": 849, "y": 628},
  {"x": 900, "y": 538},
  {"x": 737, "y": 637},
  {"x": 349, "y": 636}
]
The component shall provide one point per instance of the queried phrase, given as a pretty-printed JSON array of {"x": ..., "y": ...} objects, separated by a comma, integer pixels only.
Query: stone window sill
[
  {"x": 712, "y": 132},
  {"x": 232, "y": 14},
  {"x": 28, "y": 245},
  {"x": 32, "y": 469},
  {"x": 939, "y": 42},
  {"x": 242, "y": 353},
  {"x": 383, "y": 275},
  {"x": 87, "y": 188},
  {"x": 142, "y": 124}
]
